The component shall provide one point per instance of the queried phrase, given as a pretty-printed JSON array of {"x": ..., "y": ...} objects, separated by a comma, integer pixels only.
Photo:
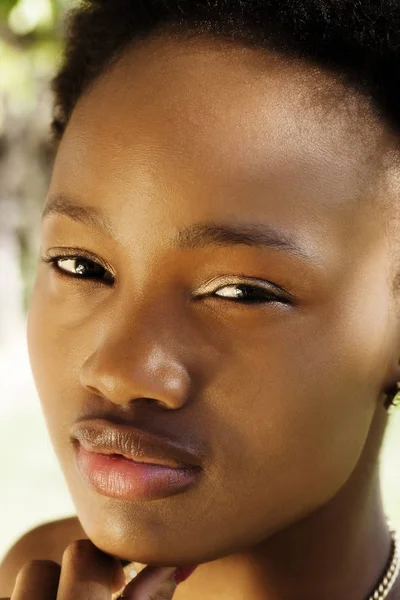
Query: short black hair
[{"x": 359, "y": 40}]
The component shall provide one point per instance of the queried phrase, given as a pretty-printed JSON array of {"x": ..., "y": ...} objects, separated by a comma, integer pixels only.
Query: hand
[{"x": 87, "y": 573}]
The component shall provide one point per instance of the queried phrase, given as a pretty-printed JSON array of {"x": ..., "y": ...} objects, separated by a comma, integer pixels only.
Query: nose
[{"x": 142, "y": 355}]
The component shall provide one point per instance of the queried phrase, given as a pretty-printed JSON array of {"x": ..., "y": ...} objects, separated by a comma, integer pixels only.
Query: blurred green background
[{"x": 33, "y": 490}]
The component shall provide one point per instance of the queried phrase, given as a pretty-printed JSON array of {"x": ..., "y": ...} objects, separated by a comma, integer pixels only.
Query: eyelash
[{"x": 266, "y": 297}]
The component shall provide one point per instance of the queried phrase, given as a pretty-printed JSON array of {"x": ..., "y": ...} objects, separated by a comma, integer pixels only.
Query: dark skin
[{"x": 287, "y": 398}]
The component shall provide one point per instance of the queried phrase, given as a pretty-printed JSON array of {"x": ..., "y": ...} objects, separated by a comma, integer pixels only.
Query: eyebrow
[
  {"x": 193, "y": 236},
  {"x": 60, "y": 204}
]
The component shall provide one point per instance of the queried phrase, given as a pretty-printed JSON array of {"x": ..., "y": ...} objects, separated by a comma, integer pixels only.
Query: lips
[{"x": 99, "y": 435}]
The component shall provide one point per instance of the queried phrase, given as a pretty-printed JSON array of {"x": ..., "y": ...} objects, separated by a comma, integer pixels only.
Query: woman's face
[{"x": 279, "y": 387}]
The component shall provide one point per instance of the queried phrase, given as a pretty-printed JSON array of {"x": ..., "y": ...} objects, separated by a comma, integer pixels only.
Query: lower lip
[{"x": 119, "y": 477}]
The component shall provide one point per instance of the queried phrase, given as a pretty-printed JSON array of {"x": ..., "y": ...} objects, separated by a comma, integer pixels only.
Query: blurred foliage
[
  {"x": 33, "y": 18},
  {"x": 30, "y": 34},
  {"x": 30, "y": 53}
]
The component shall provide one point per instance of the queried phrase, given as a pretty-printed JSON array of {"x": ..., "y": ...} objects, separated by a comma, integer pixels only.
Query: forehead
[
  {"x": 247, "y": 109},
  {"x": 237, "y": 128}
]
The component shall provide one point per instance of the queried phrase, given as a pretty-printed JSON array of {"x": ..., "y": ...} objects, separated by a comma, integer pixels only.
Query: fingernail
[{"x": 183, "y": 573}]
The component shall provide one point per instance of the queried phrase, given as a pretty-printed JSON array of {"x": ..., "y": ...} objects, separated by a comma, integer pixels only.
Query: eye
[
  {"x": 249, "y": 294},
  {"x": 79, "y": 267}
]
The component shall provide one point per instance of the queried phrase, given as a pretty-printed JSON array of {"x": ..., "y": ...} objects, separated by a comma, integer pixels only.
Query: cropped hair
[{"x": 359, "y": 40}]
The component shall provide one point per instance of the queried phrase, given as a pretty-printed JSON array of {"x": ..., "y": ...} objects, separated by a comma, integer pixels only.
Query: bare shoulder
[{"x": 45, "y": 542}]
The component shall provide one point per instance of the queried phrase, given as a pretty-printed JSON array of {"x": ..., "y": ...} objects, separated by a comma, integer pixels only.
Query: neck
[{"x": 339, "y": 551}]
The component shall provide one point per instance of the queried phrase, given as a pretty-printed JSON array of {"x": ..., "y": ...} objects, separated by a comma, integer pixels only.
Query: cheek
[
  {"x": 38, "y": 326},
  {"x": 51, "y": 351},
  {"x": 294, "y": 445},
  {"x": 58, "y": 314},
  {"x": 296, "y": 417}
]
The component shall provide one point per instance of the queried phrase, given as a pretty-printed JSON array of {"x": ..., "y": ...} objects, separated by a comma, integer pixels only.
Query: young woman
[{"x": 215, "y": 326}]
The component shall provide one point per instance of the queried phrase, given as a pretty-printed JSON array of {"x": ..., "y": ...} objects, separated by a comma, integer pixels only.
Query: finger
[
  {"x": 37, "y": 579},
  {"x": 119, "y": 578},
  {"x": 86, "y": 572},
  {"x": 152, "y": 583}
]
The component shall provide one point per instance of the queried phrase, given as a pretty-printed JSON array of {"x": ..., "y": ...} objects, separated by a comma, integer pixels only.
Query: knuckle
[
  {"x": 84, "y": 552},
  {"x": 38, "y": 566},
  {"x": 78, "y": 548}
]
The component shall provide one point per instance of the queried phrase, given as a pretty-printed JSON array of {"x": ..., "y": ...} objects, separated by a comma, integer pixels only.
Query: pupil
[
  {"x": 85, "y": 266},
  {"x": 243, "y": 291},
  {"x": 80, "y": 269}
]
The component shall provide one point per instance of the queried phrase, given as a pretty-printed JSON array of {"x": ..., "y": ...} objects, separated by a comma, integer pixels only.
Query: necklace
[{"x": 389, "y": 577}]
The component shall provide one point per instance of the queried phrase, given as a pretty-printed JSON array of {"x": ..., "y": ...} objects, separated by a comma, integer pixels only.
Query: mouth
[
  {"x": 118, "y": 477},
  {"x": 130, "y": 443},
  {"x": 121, "y": 461}
]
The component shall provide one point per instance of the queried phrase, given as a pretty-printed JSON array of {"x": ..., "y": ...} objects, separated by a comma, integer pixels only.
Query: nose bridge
[{"x": 140, "y": 351}]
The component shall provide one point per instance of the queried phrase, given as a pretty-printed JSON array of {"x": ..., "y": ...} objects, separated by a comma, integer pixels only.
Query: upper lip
[{"x": 98, "y": 435}]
